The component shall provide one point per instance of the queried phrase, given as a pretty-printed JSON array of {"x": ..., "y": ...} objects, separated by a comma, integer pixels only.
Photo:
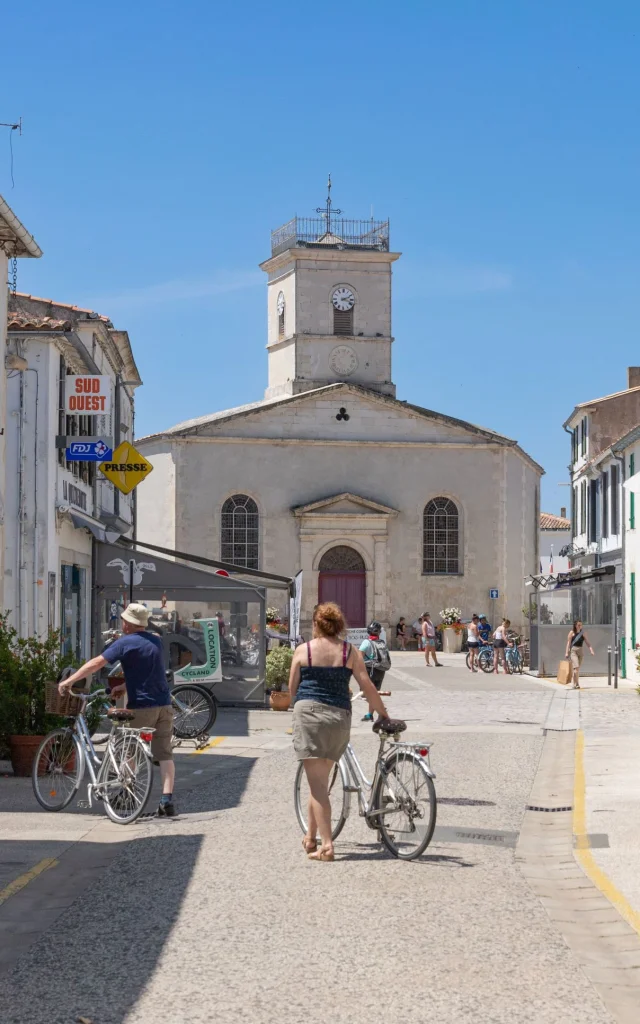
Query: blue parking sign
[{"x": 493, "y": 594}]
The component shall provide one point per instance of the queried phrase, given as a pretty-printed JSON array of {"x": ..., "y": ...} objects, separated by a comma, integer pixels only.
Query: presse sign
[{"x": 87, "y": 394}]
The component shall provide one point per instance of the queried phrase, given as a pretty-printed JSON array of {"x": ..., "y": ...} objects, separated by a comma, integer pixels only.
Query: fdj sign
[
  {"x": 127, "y": 468},
  {"x": 211, "y": 671}
]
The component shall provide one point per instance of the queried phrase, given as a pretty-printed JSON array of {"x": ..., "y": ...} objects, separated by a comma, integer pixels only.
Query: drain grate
[{"x": 551, "y": 810}]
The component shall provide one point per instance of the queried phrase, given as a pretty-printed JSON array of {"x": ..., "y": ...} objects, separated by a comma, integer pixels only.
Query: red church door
[{"x": 343, "y": 580}]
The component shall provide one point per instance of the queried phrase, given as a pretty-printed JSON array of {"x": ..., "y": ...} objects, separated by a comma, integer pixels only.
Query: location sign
[{"x": 126, "y": 468}]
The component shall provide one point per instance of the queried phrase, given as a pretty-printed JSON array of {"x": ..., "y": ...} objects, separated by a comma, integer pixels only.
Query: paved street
[{"x": 219, "y": 916}]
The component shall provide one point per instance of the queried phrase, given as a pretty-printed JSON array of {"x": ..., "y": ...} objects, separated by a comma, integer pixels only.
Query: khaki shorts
[
  {"x": 576, "y": 656},
  {"x": 160, "y": 719}
]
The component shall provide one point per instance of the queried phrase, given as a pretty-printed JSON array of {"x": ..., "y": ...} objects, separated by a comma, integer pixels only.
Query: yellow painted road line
[
  {"x": 583, "y": 854},
  {"x": 212, "y": 743},
  {"x": 20, "y": 882}
]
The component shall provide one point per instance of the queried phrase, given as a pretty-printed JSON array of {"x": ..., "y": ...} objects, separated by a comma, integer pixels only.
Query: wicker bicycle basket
[{"x": 60, "y": 703}]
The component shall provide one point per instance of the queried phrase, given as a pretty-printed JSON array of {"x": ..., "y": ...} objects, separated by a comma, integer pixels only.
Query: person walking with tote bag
[{"x": 576, "y": 640}]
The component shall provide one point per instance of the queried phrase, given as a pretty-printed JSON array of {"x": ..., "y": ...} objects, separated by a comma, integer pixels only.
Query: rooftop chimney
[
  {"x": 633, "y": 377},
  {"x": 563, "y": 513}
]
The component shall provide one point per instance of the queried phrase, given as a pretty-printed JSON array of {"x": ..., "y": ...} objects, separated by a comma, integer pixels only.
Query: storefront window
[{"x": 73, "y": 610}]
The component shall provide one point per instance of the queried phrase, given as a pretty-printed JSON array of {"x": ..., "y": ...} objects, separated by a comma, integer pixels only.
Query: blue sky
[{"x": 162, "y": 142}]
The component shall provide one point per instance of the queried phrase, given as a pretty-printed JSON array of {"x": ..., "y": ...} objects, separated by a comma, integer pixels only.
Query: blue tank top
[{"x": 326, "y": 684}]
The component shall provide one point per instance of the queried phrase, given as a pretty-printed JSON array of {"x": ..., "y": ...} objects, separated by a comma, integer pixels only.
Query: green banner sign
[{"x": 211, "y": 671}]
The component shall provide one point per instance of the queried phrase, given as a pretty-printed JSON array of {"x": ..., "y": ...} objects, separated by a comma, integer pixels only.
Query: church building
[{"x": 390, "y": 509}]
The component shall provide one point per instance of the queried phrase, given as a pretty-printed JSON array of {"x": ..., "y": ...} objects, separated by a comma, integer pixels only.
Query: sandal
[
  {"x": 324, "y": 855},
  {"x": 309, "y": 845}
]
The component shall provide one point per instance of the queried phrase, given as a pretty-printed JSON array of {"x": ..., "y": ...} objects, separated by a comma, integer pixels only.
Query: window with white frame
[
  {"x": 240, "y": 531},
  {"x": 441, "y": 538}
]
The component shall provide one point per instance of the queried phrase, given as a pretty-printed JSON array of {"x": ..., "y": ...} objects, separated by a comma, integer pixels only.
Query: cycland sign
[
  {"x": 211, "y": 671},
  {"x": 87, "y": 394}
]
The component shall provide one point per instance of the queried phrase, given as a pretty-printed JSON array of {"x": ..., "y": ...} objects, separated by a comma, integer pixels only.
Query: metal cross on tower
[{"x": 325, "y": 211}]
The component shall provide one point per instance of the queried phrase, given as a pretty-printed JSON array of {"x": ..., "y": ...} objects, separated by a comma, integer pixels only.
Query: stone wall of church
[{"x": 494, "y": 488}]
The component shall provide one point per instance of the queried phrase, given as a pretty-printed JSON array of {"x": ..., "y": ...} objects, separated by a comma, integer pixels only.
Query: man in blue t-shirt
[{"x": 140, "y": 654}]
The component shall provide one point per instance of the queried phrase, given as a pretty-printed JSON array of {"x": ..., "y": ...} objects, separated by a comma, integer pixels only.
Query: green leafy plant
[
  {"x": 278, "y": 668},
  {"x": 25, "y": 666}
]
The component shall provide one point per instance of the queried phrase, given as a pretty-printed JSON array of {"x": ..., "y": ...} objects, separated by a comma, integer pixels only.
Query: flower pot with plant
[
  {"x": 277, "y": 677},
  {"x": 452, "y": 629},
  {"x": 26, "y": 664}
]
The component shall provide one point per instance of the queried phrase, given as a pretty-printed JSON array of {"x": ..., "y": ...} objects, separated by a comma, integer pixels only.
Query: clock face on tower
[
  {"x": 343, "y": 298},
  {"x": 280, "y": 304},
  {"x": 343, "y": 361}
]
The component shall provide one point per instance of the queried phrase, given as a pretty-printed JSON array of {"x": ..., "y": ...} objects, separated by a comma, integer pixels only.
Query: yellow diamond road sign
[{"x": 127, "y": 468}]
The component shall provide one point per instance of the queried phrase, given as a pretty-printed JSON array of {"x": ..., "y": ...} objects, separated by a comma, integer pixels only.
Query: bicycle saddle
[
  {"x": 390, "y": 726},
  {"x": 120, "y": 714}
]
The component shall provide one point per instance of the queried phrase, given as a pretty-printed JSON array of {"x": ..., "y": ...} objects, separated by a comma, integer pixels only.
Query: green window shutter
[
  {"x": 632, "y": 587},
  {"x": 632, "y": 511}
]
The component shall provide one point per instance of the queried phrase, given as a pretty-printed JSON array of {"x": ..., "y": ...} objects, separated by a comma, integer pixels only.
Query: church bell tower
[{"x": 329, "y": 303}]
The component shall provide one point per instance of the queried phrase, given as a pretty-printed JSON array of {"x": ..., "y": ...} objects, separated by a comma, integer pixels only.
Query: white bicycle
[
  {"x": 122, "y": 780},
  {"x": 399, "y": 803}
]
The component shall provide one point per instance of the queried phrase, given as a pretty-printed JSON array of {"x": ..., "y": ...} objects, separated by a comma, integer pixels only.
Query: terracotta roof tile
[
  {"x": 25, "y": 322},
  {"x": 63, "y": 305},
  {"x": 551, "y": 522}
]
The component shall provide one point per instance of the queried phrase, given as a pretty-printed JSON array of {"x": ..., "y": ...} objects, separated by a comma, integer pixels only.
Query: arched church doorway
[{"x": 342, "y": 579}]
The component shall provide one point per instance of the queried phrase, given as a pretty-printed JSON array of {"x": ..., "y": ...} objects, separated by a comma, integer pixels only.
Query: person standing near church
[
  {"x": 429, "y": 640},
  {"x": 401, "y": 636}
]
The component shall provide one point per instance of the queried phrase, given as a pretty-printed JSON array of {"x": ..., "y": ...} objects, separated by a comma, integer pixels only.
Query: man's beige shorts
[{"x": 160, "y": 719}]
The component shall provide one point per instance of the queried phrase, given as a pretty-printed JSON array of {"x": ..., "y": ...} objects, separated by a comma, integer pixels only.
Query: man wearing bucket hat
[{"x": 140, "y": 654}]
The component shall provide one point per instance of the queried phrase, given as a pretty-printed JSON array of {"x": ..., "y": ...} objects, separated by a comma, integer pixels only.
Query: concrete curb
[{"x": 605, "y": 945}]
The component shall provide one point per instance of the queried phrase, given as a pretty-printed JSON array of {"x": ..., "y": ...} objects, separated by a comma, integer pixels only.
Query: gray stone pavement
[{"x": 219, "y": 916}]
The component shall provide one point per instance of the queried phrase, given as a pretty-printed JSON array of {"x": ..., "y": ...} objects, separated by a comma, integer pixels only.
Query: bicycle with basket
[{"x": 121, "y": 779}]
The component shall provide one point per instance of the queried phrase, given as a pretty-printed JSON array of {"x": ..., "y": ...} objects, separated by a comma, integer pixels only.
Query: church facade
[{"x": 389, "y": 508}]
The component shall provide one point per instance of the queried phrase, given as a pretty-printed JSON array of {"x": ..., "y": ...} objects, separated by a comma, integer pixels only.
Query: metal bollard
[
  {"x": 616, "y": 660},
  {"x": 608, "y": 666}
]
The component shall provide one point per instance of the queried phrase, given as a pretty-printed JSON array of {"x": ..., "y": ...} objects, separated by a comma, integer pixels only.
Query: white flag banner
[{"x": 295, "y": 604}]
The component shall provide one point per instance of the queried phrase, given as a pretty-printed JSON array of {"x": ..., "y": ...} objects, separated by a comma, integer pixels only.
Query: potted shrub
[
  {"x": 452, "y": 630},
  {"x": 25, "y": 667},
  {"x": 277, "y": 677}
]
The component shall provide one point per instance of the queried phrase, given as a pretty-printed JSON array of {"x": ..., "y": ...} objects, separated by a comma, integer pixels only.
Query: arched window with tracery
[
  {"x": 240, "y": 525},
  {"x": 441, "y": 537}
]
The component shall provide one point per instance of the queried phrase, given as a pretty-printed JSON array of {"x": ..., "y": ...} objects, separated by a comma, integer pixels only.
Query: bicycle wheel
[
  {"x": 195, "y": 709},
  {"x": 407, "y": 796},
  {"x": 57, "y": 771},
  {"x": 126, "y": 777},
  {"x": 468, "y": 661},
  {"x": 485, "y": 660},
  {"x": 338, "y": 795}
]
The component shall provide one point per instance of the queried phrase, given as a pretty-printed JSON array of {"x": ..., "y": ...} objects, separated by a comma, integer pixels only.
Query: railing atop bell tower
[{"x": 315, "y": 232}]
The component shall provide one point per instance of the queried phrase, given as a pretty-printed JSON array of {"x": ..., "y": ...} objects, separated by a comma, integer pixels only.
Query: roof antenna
[{"x": 17, "y": 127}]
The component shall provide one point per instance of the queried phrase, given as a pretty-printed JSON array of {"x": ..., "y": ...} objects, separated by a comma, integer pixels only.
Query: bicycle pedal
[{"x": 82, "y": 804}]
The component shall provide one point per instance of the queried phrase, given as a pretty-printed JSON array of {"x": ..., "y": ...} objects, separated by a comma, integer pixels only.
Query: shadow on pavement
[
  {"x": 105, "y": 947},
  {"x": 220, "y": 779}
]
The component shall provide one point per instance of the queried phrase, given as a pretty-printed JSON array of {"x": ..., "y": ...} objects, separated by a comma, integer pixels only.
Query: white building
[
  {"x": 555, "y": 536},
  {"x": 597, "y": 472},
  {"x": 389, "y": 508},
  {"x": 58, "y": 509},
  {"x": 15, "y": 243}
]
